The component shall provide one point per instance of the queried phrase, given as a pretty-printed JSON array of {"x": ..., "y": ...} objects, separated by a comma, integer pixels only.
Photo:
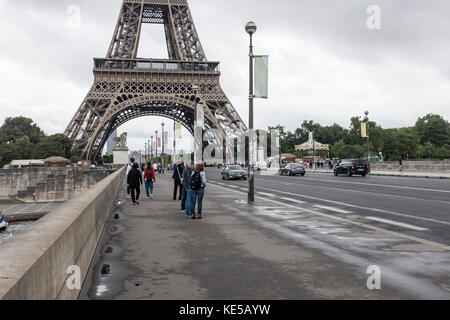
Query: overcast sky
[{"x": 325, "y": 64}]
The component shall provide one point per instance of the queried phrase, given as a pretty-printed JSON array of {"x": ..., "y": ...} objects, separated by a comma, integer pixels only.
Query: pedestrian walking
[
  {"x": 149, "y": 178},
  {"x": 186, "y": 184},
  {"x": 197, "y": 185},
  {"x": 400, "y": 164},
  {"x": 129, "y": 167},
  {"x": 178, "y": 169},
  {"x": 134, "y": 181}
]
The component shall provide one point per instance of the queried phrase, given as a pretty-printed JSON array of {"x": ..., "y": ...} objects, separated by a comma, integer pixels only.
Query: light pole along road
[{"x": 251, "y": 28}]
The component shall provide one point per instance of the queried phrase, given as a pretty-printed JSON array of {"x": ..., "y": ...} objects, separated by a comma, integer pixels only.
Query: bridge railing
[{"x": 155, "y": 65}]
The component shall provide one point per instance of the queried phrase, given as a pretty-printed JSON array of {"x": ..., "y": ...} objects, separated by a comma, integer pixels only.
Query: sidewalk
[
  {"x": 268, "y": 251},
  {"x": 406, "y": 174}
]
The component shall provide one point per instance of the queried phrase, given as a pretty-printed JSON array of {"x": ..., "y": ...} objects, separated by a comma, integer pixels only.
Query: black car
[
  {"x": 351, "y": 167},
  {"x": 293, "y": 169},
  {"x": 234, "y": 172}
]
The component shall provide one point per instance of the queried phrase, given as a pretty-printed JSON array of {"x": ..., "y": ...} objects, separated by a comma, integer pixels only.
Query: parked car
[
  {"x": 292, "y": 169},
  {"x": 234, "y": 172},
  {"x": 351, "y": 167}
]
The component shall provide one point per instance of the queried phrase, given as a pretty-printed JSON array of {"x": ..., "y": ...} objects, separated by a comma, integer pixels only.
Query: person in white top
[{"x": 129, "y": 167}]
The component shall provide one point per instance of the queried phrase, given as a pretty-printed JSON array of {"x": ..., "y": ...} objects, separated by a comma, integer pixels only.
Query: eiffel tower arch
[{"x": 127, "y": 87}]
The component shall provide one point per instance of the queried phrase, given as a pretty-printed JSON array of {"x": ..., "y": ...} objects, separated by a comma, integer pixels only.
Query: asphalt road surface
[{"x": 417, "y": 207}]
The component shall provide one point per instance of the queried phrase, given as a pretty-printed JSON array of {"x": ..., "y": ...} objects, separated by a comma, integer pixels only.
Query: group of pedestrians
[
  {"x": 138, "y": 176},
  {"x": 189, "y": 186}
]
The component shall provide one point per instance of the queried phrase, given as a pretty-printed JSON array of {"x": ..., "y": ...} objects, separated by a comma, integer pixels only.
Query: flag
[
  {"x": 178, "y": 131},
  {"x": 364, "y": 130},
  {"x": 261, "y": 77},
  {"x": 159, "y": 142},
  {"x": 166, "y": 137}
]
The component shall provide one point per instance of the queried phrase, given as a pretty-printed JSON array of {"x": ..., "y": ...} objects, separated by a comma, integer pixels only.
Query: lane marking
[
  {"x": 365, "y": 225},
  {"x": 395, "y": 223},
  {"x": 373, "y": 184},
  {"x": 293, "y": 200},
  {"x": 359, "y": 207},
  {"x": 332, "y": 209},
  {"x": 266, "y": 194}
]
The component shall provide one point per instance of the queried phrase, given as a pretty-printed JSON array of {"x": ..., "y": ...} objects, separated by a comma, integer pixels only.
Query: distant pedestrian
[
  {"x": 129, "y": 167},
  {"x": 178, "y": 169},
  {"x": 134, "y": 181},
  {"x": 197, "y": 185},
  {"x": 400, "y": 164},
  {"x": 186, "y": 185},
  {"x": 149, "y": 178},
  {"x": 155, "y": 167}
]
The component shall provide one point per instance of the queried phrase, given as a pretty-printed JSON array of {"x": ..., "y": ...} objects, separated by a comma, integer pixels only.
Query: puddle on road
[{"x": 13, "y": 229}]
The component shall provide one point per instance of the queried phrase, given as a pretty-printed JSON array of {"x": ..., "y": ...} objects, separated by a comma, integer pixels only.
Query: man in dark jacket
[
  {"x": 177, "y": 171},
  {"x": 187, "y": 173},
  {"x": 134, "y": 181}
]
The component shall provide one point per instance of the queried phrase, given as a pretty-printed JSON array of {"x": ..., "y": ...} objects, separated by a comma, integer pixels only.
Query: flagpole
[{"x": 174, "y": 142}]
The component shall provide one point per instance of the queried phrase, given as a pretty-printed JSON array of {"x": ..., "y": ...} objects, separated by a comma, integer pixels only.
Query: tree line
[
  {"x": 21, "y": 138},
  {"x": 429, "y": 138}
]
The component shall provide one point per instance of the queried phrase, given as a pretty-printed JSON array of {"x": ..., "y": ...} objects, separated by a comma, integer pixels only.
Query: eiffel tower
[{"x": 127, "y": 87}]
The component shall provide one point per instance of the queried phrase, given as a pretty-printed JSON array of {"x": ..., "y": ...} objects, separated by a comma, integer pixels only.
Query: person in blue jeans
[
  {"x": 196, "y": 192},
  {"x": 149, "y": 178}
]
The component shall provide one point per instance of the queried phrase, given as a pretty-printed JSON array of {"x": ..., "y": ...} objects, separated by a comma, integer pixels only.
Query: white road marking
[
  {"x": 359, "y": 207},
  {"x": 395, "y": 223},
  {"x": 368, "y": 226},
  {"x": 266, "y": 194},
  {"x": 379, "y": 185},
  {"x": 44, "y": 207},
  {"x": 333, "y": 209},
  {"x": 293, "y": 200},
  {"x": 243, "y": 189}
]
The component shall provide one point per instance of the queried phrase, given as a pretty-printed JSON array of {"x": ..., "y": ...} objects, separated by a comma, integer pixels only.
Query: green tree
[
  {"x": 433, "y": 128},
  {"x": 55, "y": 145},
  {"x": 15, "y": 128}
]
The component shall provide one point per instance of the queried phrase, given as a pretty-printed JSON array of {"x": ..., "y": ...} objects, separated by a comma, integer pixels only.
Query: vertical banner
[
  {"x": 178, "y": 131},
  {"x": 159, "y": 142},
  {"x": 166, "y": 138},
  {"x": 198, "y": 132},
  {"x": 261, "y": 77},
  {"x": 364, "y": 130}
]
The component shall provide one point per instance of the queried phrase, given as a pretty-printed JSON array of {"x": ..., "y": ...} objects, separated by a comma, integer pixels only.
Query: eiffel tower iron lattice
[{"x": 127, "y": 87}]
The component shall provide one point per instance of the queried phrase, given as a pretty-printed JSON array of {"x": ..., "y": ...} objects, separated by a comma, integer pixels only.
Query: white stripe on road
[
  {"x": 359, "y": 207},
  {"x": 243, "y": 189},
  {"x": 379, "y": 185},
  {"x": 293, "y": 200},
  {"x": 332, "y": 209},
  {"x": 395, "y": 233},
  {"x": 266, "y": 194},
  {"x": 395, "y": 223}
]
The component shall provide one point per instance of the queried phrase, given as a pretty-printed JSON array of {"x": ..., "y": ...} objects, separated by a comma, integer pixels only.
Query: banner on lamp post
[
  {"x": 261, "y": 74},
  {"x": 364, "y": 130},
  {"x": 178, "y": 131}
]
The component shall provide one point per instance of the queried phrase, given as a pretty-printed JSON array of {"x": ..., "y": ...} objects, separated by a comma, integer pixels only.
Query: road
[{"x": 417, "y": 207}]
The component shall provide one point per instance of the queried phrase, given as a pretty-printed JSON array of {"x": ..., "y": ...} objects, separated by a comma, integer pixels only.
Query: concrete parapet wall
[
  {"x": 413, "y": 166},
  {"x": 34, "y": 263},
  {"x": 46, "y": 184}
]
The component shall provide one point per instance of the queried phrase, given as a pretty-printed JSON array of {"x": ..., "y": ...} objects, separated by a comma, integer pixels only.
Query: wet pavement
[
  {"x": 13, "y": 229},
  {"x": 268, "y": 251}
]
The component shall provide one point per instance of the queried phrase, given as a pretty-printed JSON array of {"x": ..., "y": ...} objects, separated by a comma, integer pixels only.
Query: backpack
[
  {"x": 149, "y": 176},
  {"x": 196, "y": 181}
]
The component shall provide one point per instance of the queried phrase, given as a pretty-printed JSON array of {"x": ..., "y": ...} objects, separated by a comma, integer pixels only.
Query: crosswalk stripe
[{"x": 293, "y": 200}]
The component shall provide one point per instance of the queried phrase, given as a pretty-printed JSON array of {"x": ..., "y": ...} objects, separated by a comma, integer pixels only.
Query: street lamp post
[
  {"x": 151, "y": 147},
  {"x": 162, "y": 142},
  {"x": 367, "y": 133},
  {"x": 156, "y": 143},
  {"x": 146, "y": 153},
  {"x": 251, "y": 28}
]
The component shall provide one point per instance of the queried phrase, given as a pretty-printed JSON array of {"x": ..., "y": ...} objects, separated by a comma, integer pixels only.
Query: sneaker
[
  {"x": 151, "y": 196},
  {"x": 137, "y": 202}
]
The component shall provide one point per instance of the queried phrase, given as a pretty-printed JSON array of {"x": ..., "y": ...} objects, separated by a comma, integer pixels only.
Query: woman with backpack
[
  {"x": 149, "y": 178},
  {"x": 197, "y": 185}
]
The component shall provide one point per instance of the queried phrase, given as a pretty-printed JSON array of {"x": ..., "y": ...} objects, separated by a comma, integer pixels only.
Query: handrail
[{"x": 154, "y": 64}]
